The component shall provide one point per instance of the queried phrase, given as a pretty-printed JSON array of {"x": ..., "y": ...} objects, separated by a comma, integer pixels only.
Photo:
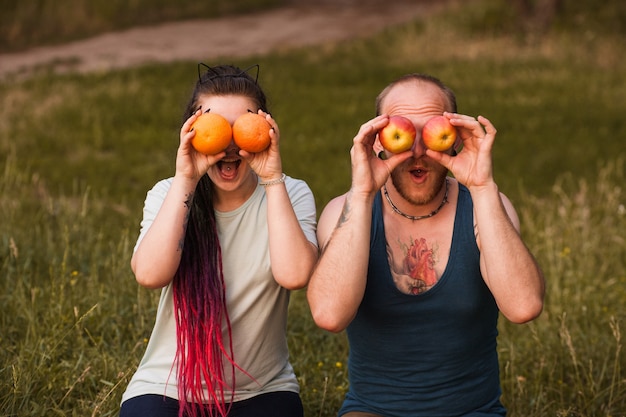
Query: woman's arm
[{"x": 292, "y": 255}]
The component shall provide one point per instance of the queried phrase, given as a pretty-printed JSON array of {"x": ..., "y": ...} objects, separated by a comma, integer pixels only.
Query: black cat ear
[
  {"x": 251, "y": 68},
  {"x": 208, "y": 70}
]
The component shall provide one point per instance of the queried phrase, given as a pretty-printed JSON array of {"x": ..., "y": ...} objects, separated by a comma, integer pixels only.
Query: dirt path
[{"x": 302, "y": 23}]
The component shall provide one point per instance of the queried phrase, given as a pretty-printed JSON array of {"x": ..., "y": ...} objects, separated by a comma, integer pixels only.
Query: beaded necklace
[{"x": 408, "y": 216}]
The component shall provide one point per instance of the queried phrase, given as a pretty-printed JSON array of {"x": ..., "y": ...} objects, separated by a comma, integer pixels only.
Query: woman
[{"x": 226, "y": 239}]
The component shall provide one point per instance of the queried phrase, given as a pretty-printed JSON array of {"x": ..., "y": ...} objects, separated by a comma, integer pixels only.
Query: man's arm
[
  {"x": 509, "y": 269},
  {"x": 338, "y": 282}
]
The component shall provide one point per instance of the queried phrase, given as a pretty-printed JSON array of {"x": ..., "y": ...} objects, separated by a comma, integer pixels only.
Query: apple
[
  {"x": 438, "y": 134},
  {"x": 398, "y": 136}
]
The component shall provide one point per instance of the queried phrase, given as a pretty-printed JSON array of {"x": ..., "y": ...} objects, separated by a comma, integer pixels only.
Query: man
[{"x": 417, "y": 265}]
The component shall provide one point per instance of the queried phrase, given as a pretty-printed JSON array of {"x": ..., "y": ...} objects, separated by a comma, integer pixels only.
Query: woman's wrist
[{"x": 273, "y": 181}]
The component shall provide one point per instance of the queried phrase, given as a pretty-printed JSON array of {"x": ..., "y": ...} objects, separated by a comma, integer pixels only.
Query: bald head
[{"x": 447, "y": 95}]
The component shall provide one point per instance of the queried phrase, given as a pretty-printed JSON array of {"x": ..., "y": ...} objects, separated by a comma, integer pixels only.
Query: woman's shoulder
[
  {"x": 159, "y": 190},
  {"x": 162, "y": 185},
  {"x": 296, "y": 185}
]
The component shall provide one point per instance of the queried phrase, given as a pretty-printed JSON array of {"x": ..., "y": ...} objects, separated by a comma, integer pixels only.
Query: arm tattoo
[
  {"x": 343, "y": 218},
  {"x": 345, "y": 214},
  {"x": 187, "y": 203}
]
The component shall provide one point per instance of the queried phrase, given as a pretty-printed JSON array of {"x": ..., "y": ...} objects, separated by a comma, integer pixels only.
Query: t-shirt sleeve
[
  {"x": 303, "y": 204},
  {"x": 152, "y": 205}
]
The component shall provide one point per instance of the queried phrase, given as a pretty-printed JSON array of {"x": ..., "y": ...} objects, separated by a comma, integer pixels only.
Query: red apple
[
  {"x": 398, "y": 136},
  {"x": 438, "y": 134}
]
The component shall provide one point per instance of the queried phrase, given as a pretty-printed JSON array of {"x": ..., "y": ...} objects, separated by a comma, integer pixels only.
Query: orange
[
  {"x": 252, "y": 132},
  {"x": 213, "y": 133}
]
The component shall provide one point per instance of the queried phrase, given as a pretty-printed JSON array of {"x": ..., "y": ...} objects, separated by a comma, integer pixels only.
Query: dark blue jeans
[{"x": 271, "y": 404}]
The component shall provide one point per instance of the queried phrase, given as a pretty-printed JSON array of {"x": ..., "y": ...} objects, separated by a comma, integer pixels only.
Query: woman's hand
[
  {"x": 267, "y": 163},
  {"x": 190, "y": 163}
]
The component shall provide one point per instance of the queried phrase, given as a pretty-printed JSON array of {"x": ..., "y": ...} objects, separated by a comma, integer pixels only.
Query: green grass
[{"x": 79, "y": 152}]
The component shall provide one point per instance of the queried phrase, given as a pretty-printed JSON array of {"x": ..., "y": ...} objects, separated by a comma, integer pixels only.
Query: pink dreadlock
[{"x": 200, "y": 306}]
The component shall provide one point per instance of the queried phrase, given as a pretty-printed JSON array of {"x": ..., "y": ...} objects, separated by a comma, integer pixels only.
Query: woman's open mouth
[{"x": 228, "y": 168}]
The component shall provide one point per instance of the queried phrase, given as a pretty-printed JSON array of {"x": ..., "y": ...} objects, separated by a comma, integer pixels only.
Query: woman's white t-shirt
[{"x": 257, "y": 305}]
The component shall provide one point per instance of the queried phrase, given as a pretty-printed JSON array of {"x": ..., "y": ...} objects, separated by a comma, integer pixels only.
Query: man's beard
[{"x": 439, "y": 175}]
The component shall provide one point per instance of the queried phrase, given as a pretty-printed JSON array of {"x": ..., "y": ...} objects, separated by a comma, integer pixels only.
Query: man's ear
[
  {"x": 456, "y": 147},
  {"x": 378, "y": 148}
]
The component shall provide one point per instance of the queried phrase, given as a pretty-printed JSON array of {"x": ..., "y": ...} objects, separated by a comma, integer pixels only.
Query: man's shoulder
[{"x": 335, "y": 205}]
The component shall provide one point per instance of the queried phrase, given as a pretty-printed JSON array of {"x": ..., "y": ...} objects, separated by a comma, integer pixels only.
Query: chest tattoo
[{"x": 413, "y": 266}]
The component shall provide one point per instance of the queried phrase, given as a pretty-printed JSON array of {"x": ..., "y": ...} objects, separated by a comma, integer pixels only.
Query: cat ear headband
[{"x": 211, "y": 74}]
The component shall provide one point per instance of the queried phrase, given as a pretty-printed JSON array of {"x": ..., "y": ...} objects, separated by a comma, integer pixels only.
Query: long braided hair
[{"x": 199, "y": 291}]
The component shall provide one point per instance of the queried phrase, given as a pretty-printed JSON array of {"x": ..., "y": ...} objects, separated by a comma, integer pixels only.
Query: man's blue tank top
[{"x": 432, "y": 354}]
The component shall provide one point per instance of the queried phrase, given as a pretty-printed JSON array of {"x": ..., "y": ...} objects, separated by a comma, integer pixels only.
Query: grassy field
[{"x": 79, "y": 152}]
